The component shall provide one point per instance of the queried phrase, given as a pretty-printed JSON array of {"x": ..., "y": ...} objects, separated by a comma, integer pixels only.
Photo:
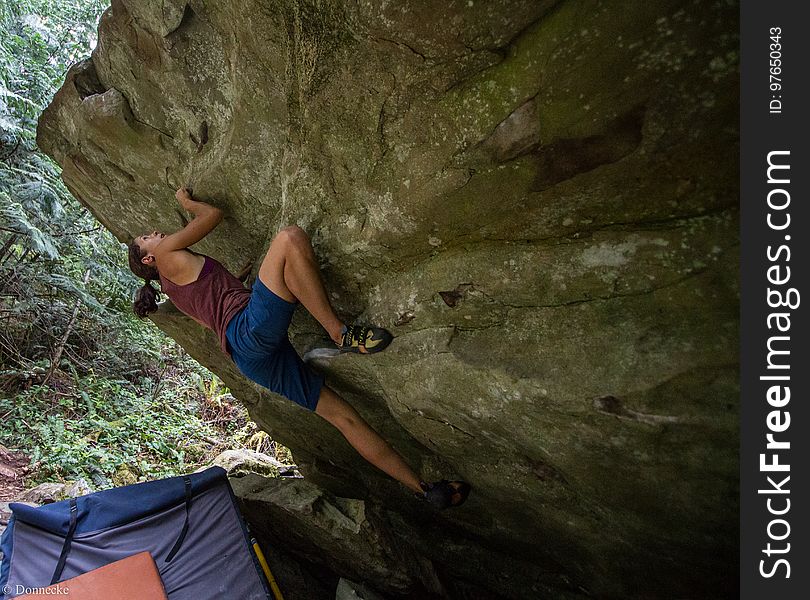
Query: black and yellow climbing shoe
[
  {"x": 364, "y": 340},
  {"x": 445, "y": 494}
]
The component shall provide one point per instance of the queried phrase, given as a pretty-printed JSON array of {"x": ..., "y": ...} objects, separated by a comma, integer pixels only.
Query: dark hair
[{"x": 146, "y": 297}]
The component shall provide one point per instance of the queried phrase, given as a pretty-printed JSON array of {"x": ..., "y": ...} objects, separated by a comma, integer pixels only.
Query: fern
[
  {"x": 47, "y": 239},
  {"x": 96, "y": 414}
]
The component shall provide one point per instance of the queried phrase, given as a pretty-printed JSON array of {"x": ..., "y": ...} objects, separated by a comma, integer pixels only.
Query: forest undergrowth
[{"x": 87, "y": 391}]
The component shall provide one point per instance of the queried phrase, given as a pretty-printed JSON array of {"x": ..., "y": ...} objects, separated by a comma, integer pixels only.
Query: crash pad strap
[
  {"x": 60, "y": 565},
  {"x": 179, "y": 542}
]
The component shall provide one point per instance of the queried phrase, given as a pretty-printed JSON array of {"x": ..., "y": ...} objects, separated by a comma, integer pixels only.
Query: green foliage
[
  {"x": 115, "y": 432},
  {"x": 48, "y": 242},
  {"x": 41, "y": 39},
  {"x": 86, "y": 389}
]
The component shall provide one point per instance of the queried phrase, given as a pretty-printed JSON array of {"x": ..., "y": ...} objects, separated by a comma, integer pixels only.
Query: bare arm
[{"x": 206, "y": 218}]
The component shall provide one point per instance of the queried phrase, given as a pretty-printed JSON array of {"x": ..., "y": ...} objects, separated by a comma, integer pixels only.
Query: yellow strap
[{"x": 266, "y": 568}]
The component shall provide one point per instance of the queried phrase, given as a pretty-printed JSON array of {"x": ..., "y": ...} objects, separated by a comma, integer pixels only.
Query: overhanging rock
[{"x": 538, "y": 198}]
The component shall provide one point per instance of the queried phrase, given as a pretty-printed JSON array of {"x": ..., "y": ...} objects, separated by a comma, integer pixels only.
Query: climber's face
[{"x": 148, "y": 242}]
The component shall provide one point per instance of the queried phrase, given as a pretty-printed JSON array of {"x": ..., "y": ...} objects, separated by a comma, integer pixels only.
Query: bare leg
[
  {"x": 364, "y": 439},
  {"x": 291, "y": 271}
]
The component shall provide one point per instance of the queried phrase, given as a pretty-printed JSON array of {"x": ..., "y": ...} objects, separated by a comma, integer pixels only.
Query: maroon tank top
[{"x": 212, "y": 300}]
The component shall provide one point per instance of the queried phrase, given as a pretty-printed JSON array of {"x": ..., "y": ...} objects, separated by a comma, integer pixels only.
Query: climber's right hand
[{"x": 183, "y": 196}]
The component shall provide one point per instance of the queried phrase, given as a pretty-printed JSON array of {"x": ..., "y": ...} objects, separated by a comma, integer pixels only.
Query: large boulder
[
  {"x": 538, "y": 198},
  {"x": 307, "y": 529}
]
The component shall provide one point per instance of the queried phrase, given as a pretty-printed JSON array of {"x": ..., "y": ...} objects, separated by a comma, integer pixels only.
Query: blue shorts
[{"x": 260, "y": 347}]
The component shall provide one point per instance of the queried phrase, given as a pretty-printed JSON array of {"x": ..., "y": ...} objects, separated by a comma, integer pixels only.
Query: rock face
[{"x": 538, "y": 198}]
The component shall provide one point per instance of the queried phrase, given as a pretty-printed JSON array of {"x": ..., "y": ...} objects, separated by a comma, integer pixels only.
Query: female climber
[{"x": 252, "y": 327}]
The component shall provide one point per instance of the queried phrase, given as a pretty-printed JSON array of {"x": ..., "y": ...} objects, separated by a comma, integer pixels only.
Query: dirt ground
[{"x": 13, "y": 468}]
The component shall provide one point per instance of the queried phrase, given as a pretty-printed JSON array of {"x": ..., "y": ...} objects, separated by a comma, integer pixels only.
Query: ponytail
[
  {"x": 146, "y": 297},
  {"x": 145, "y": 300}
]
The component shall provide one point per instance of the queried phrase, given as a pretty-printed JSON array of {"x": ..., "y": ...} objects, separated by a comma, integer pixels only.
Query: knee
[
  {"x": 343, "y": 422},
  {"x": 336, "y": 411},
  {"x": 294, "y": 235}
]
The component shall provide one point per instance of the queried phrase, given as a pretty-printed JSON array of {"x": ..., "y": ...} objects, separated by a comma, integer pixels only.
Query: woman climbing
[{"x": 252, "y": 327}]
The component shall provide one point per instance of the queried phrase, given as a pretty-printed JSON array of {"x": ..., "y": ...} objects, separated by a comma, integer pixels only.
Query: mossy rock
[{"x": 540, "y": 201}]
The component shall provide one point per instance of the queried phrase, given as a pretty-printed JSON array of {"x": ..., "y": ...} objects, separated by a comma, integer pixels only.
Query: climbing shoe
[
  {"x": 445, "y": 494},
  {"x": 364, "y": 340}
]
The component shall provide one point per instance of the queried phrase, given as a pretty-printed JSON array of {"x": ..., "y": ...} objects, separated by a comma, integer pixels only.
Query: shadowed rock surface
[{"x": 538, "y": 198}]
